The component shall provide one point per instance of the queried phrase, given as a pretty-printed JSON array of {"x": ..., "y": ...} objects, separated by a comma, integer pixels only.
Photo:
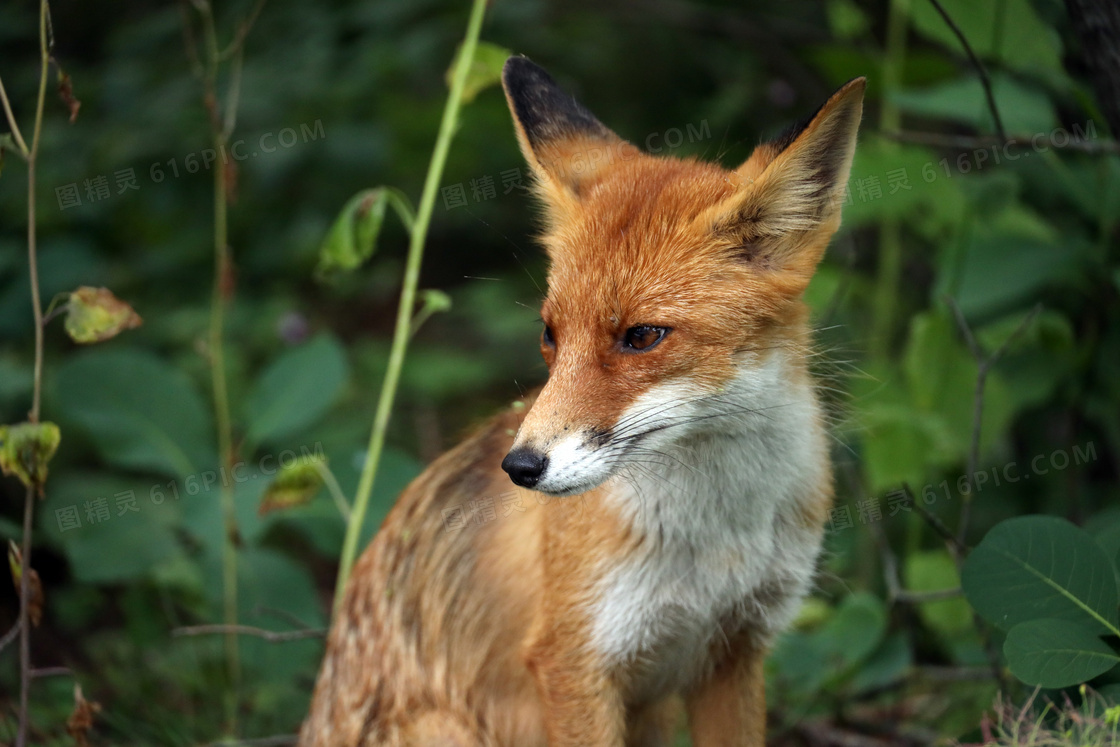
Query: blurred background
[{"x": 943, "y": 216}]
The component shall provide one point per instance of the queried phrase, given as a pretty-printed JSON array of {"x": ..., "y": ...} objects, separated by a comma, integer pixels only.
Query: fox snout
[{"x": 525, "y": 466}]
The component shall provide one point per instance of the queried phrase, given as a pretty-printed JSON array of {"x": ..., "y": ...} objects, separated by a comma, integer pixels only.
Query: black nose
[{"x": 525, "y": 466}]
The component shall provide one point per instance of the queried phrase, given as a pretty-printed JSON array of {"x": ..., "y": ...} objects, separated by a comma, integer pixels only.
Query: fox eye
[
  {"x": 548, "y": 337},
  {"x": 643, "y": 337}
]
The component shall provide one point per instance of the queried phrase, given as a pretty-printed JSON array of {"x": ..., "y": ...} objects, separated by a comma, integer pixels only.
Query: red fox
[{"x": 672, "y": 476}]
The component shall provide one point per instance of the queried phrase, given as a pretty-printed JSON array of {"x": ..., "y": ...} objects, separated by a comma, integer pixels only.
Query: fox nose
[{"x": 525, "y": 466}]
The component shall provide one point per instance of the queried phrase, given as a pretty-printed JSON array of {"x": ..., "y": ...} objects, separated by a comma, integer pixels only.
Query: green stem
[
  {"x": 221, "y": 289},
  {"x": 33, "y": 415},
  {"x": 890, "y": 232},
  {"x": 334, "y": 489},
  {"x": 401, "y": 333}
]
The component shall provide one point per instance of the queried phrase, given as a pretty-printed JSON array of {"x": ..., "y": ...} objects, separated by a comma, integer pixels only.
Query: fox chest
[{"x": 667, "y": 614}]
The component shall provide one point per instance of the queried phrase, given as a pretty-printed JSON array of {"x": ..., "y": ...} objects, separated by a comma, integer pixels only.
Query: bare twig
[
  {"x": 12, "y": 633},
  {"x": 16, "y": 135},
  {"x": 52, "y": 672},
  {"x": 1036, "y": 141},
  {"x": 235, "y": 46},
  {"x": 272, "y": 636},
  {"x": 955, "y": 544},
  {"x": 895, "y": 591},
  {"x": 280, "y": 740},
  {"x": 222, "y": 122},
  {"x": 36, "y": 397},
  {"x": 980, "y": 69},
  {"x": 921, "y": 597},
  {"x": 955, "y": 674},
  {"x": 335, "y": 490},
  {"x": 984, "y": 365}
]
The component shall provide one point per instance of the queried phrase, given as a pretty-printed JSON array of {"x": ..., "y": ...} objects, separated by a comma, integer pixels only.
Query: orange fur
[{"x": 491, "y": 634}]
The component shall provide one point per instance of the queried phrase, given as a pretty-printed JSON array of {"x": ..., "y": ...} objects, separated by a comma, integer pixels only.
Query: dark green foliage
[{"x": 340, "y": 96}]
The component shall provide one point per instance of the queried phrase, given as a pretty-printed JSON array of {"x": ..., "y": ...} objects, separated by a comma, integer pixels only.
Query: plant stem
[
  {"x": 16, "y": 135},
  {"x": 36, "y": 397},
  {"x": 222, "y": 290},
  {"x": 334, "y": 489},
  {"x": 890, "y": 232},
  {"x": 401, "y": 333}
]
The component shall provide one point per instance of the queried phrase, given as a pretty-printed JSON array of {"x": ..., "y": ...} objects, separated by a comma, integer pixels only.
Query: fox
[{"x": 618, "y": 550}]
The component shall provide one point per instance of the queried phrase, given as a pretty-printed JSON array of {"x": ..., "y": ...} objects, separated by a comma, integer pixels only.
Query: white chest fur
[{"x": 716, "y": 508}]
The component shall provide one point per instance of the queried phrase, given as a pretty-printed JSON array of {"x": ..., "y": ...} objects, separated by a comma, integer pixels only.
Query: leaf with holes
[{"x": 1035, "y": 567}]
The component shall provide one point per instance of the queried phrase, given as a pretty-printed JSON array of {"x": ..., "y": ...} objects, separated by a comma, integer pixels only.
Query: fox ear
[
  {"x": 787, "y": 205},
  {"x": 565, "y": 145}
]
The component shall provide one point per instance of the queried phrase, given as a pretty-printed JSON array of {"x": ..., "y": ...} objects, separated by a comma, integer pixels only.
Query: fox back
[{"x": 670, "y": 480}]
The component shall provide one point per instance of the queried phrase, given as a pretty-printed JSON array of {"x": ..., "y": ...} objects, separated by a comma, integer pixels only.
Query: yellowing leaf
[
  {"x": 25, "y": 450},
  {"x": 295, "y": 484},
  {"x": 81, "y": 718},
  {"x": 95, "y": 314},
  {"x": 35, "y": 586}
]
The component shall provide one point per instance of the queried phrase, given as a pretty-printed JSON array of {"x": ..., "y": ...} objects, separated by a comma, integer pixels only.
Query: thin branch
[
  {"x": 237, "y": 44},
  {"x": 272, "y": 636},
  {"x": 12, "y": 121},
  {"x": 11, "y": 634},
  {"x": 280, "y": 740},
  {"x": 956, "y": 545},
  {"x": 33, "y": 415},
  {"x": 52, "y": 672},
  {"x": 233, "y": 96},
  {"x": 283, "y": 615},
  {"x": 984, "y": 365},
  {"x": 334, "y": 489},
  {"x": 968, "y": 142},
  {"x": 921, "y": 597},
  {"x": 980, "y": 69},
  {"x": 895, "y": 591},
  {"x": 955, "y": 674}
]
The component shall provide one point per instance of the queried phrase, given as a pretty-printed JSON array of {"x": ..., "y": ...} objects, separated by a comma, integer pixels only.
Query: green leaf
[
  {"x": 26, "y": 450},
  {"x": 111, "y": 529},
  {"x": 295, "y": 484},
  {"x": 296, "y": 390},
  {"x": 137, "y": 410},
  {"x": 1009, "y": 31},
  {"x": 888, "y": 664},
  {"x": 486, "y": 69},
  {"x": 1035, "y": 567},
  {"x": 353, "y": 237},
  {"x": 1056, "y": 653},
  {"x": 1024, "y": 109},
  {"x": 96, "y": 315},
  {"x": 854, "y": 632},
  {"x": 1024, "y": 266},
  {"x": 934, "y": 570}
]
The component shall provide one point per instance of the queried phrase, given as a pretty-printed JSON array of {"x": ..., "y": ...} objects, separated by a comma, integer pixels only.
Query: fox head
[{"x": 672, "y": 283}]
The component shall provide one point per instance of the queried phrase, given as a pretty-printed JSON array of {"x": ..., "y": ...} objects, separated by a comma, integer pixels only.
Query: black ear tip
[{"x": 519, "y": 70}]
